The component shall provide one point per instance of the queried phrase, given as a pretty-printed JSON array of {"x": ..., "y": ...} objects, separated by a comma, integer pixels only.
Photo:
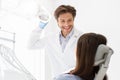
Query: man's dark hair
[{"x": 64, "y": 9}]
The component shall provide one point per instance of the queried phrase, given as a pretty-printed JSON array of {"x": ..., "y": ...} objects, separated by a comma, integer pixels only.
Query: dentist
[{"x": 60, "y": 47}]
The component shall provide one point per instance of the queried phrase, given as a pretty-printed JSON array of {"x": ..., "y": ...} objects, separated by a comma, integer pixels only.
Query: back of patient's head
[{"x": 85, "y": 55}]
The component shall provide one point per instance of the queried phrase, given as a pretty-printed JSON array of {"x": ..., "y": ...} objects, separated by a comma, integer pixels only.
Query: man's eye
[
  {"x": 62, "y": 21},
  {"x": 69, "y": 20}
]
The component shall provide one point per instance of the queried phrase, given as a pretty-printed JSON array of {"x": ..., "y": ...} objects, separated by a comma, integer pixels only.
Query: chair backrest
[{"x": 102, "y": 59}]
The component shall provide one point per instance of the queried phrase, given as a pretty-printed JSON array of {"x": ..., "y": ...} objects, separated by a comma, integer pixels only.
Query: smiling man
[
  {"x": 60, "y": 47},
  {"x": 65, "y": 22}
]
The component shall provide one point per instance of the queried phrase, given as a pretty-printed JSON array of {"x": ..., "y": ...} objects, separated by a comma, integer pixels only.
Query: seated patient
[{"x": 85, "y": 56}]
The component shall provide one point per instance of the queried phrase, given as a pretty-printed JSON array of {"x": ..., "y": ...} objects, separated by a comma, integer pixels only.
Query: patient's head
[{"x": 85, "y": 55}]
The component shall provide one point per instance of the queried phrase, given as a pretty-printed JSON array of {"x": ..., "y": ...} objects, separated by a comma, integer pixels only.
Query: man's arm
[{"x": 35, "y": 42}]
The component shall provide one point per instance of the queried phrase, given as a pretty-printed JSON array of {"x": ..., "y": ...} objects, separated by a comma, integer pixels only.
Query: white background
[{"x": 100, "y": 16}]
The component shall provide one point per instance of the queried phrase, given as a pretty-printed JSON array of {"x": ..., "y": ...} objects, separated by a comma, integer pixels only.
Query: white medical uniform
[{"x": 61, "y": 61}]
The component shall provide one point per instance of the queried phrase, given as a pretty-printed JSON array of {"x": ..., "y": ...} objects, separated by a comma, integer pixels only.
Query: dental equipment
[{"x": 7, "y": 54}]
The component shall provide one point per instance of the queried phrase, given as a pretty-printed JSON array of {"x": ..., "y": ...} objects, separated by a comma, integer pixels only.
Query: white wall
[{"x": 100, "y": 16}]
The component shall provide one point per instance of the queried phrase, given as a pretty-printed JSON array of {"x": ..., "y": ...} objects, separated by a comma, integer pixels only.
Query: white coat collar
[{"x": 75, "y": 35}]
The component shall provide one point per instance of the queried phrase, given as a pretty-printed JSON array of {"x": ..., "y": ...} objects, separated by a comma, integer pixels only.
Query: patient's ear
[{"x": 101, "y": 53}]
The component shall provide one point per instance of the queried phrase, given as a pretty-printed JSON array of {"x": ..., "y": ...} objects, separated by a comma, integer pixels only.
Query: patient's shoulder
[{"x": 67, "y": 77}]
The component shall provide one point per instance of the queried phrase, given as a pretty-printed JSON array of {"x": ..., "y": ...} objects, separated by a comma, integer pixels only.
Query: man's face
[{"x": 65, "y": 22}]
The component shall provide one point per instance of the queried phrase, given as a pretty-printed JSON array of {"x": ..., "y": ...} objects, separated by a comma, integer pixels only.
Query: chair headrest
[{"x": 101, "y": 53}]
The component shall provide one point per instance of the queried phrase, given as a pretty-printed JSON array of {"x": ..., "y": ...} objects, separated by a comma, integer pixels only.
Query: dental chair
[{"x": 102, "y": 59}]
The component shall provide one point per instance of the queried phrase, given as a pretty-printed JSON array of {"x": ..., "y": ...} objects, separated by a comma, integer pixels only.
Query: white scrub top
[{"x": 61, "y": 61}]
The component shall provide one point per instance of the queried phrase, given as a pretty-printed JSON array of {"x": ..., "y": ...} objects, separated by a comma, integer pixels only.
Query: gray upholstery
[{"x": 102, "y": 59}]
